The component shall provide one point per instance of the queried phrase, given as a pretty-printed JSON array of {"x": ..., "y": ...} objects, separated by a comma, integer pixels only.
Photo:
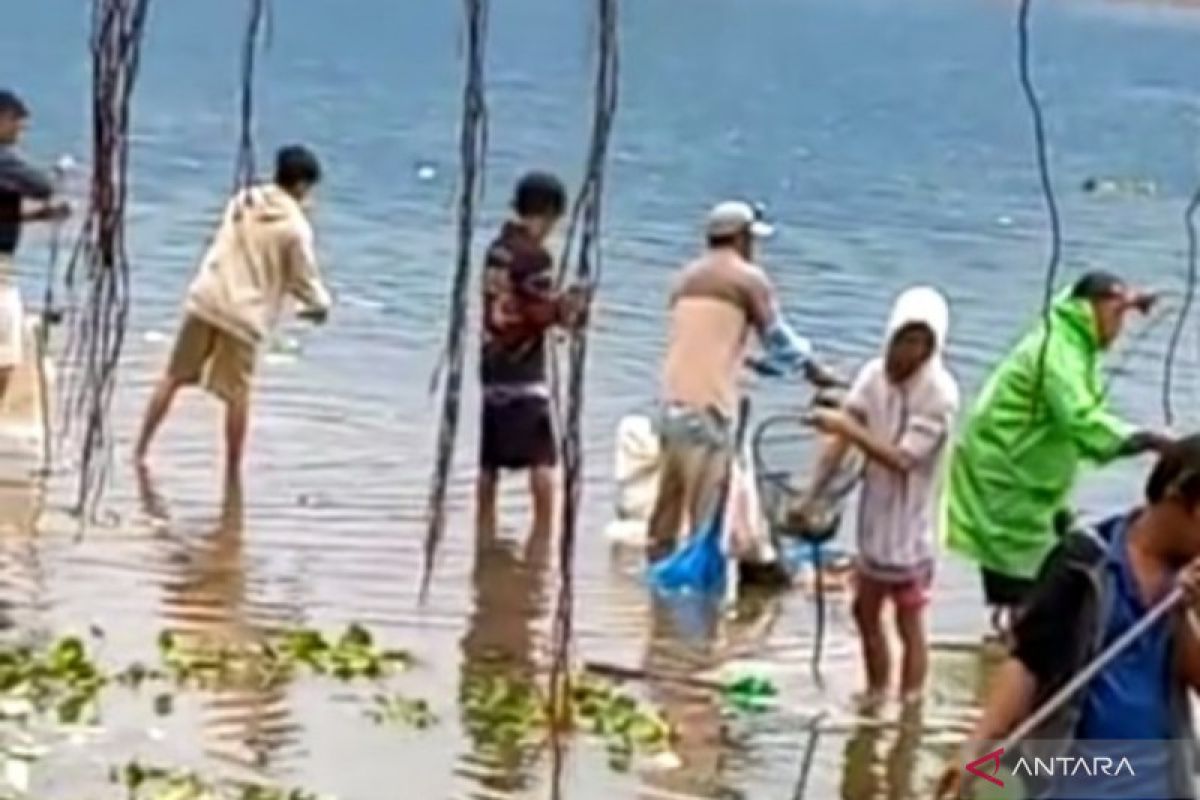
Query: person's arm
[
  {"x": 1188, "y": 654},
  {"x": 1038, "y": 659},
  {"x": 922, "y": 436},
  {"x": 542, "y": 306},
  {"x": 1009, "y": 701},
  {"x": 305, "y": 282},
  {"x": 845, "y": 426},
  {"x": 1075, "y": 401},
  {"x": 1143, "y": 442},
  {"x": 826, "y": 467},
  {"x": 20, "y": 177},
  {"x": 785, "y": 352},
  {"x": 48, "y": 211},
  {"x": 32, "y": 184},
  {"x": 833, "y": 454},
  {"x": 1189, "y": 649}
]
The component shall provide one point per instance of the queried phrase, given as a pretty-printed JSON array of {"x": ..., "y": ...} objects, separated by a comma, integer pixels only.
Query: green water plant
[
  {"x": 147, "y": 782},
  {"x": 62, "y": 678},
  {"x": 396, "y": 709},
  {"x": 506, "y": 711},
  {"x": 209, "y": 664},
  {"x": 352, "y": 656}
]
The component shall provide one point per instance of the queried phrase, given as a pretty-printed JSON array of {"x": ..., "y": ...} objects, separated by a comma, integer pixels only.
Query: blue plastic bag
[{"x": 700, "y": 565}]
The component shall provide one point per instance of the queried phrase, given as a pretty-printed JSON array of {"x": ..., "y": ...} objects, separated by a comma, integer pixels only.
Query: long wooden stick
[{"x": 618, "y": 672}]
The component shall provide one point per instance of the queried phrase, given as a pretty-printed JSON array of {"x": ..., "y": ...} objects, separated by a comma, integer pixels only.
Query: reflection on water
[
  {"x": 690, "y": 640},
  {"x": 508, "y": 583},
  {"x": 22, "y": 582},
  {"x": 204, "y": 601},
  {"x": 879, "y": 763}
]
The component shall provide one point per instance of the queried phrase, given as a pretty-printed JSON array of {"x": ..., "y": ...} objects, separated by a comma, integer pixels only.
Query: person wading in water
[
  {"x": 263, "y": 254},
  {"x": 520, "y": 307},
  {"x": 19, "y": 182},
  {"x": 1044, "y": 409},
  {"x": 899, "y": 414},
  {"x": 718, "y": 301}
]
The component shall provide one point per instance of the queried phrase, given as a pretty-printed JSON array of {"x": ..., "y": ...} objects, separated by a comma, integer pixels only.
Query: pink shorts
[{"x": 909, "y": 590}]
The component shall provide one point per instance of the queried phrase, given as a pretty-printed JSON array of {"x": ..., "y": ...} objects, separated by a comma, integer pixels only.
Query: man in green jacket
[{"x": 1043, "y": 410}]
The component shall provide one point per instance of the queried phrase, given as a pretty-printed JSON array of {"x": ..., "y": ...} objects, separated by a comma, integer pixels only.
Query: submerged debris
[{"x": 1125, "y": 187}]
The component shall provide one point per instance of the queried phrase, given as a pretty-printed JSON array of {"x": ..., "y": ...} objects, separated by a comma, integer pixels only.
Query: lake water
[{"x": 890, "y": 141}]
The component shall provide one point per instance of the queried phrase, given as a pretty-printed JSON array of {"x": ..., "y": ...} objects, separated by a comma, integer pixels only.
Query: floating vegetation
[
  {"x": 507, "y": 713},
  {"x": 265, "y": 664},
  {"x": 142, "y": 782},
  {"x": 353, "y": 656},
  {"x": 401, "y": 711},
  {"x": 63, "y": 679}
]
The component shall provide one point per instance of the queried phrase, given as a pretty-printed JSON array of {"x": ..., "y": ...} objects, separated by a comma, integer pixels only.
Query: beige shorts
[
  {"x": 208, "y": 356},
  {"x": 12, "y": 317}
]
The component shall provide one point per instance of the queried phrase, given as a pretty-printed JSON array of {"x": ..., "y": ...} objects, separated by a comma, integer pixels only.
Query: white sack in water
[{"x": 637, "y": 470}]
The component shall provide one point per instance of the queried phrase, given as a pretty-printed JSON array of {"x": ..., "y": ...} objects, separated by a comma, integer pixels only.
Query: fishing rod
[{"x": 50, "y": 315}]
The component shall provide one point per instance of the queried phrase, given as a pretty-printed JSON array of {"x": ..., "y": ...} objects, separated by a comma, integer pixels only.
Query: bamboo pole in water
[
  {"x": 100, "y": 262},
  {"x": 583, "y": 246},
  {"x": 472, "y": 156}
]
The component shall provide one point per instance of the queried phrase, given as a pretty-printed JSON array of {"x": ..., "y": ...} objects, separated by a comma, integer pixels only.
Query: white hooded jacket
[
  {"x": 262, "y": 254},
  {"x": 897, "y": 511}
]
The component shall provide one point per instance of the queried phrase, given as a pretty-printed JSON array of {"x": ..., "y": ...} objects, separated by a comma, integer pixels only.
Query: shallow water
[{"x": 891, "y": 143}]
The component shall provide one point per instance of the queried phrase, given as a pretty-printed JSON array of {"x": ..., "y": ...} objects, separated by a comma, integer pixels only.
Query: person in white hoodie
[
  {"x": 262, "y": 255},
  {"x": 900, "y": 414}
]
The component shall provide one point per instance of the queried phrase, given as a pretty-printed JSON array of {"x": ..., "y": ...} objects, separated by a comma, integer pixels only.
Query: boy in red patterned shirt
[{"x": 520, "y": 306}]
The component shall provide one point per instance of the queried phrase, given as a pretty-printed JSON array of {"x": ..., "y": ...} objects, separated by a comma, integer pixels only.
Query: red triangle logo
[{"x": 992, "y": 758}]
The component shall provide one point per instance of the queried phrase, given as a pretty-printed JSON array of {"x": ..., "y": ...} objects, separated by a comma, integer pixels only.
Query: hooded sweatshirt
[
  {"x": 897, "y": 510},
  {"x": 263, "y": 253},
  {"x": 1015, "y": 465}
]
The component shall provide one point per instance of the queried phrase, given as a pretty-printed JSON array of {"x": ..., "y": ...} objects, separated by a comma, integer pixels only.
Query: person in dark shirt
[
  {"x": 1097, "y": 584},
  {"x": 520, "y": 306},
  {"x": 20, "y": 183}
]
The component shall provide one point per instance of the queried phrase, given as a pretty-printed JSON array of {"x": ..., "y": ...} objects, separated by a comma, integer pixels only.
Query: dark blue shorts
[{"x": 517, "y": 433}]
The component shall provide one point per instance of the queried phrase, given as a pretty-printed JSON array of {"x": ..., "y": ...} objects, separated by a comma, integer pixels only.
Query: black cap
[
  {"x": 11, "y": 104},
  {"x": 1098, "y": 285}
]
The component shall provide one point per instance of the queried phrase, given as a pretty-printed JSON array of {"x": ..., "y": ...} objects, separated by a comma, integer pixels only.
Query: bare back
[{"x": 718, "y": 300}]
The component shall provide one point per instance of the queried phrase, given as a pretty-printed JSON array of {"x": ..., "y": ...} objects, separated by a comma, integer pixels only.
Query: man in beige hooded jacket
[{"x": 263, "y": 254}]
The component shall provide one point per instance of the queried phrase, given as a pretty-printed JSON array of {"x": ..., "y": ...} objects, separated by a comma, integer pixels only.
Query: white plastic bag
[
  {"x": 637, "y": 467},
  {"x": 748, "y": 537}
]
